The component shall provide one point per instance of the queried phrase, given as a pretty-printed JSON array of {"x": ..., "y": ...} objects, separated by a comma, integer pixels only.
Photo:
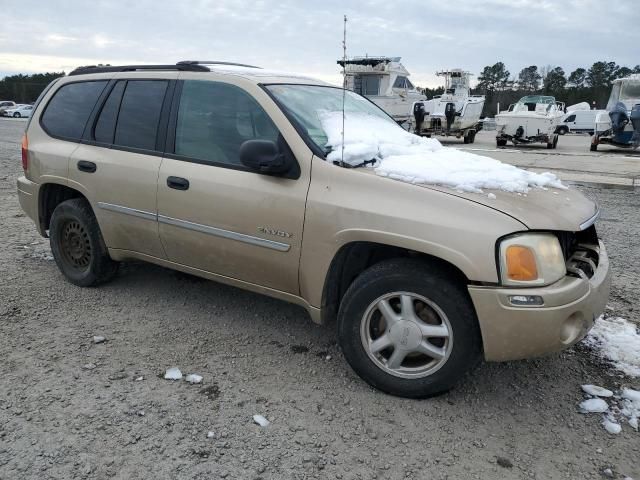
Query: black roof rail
[
  {"x": 189, "y": 67},
  {"x": 204, "y": 62}
]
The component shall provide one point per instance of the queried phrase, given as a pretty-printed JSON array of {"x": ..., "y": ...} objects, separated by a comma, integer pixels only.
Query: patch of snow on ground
[
  {"x": 594, "y": 405},
  {"x": 260, "y": 420},
  {"x": 193, "y": 378},
  {"x": 611, "y": 426},
  {"x": 617, "y": 340},
  {"x": 623, "y": 406},
  {"x": 410, "y": 158},
  {"x": 596, "y": 391},
  {"x": 173, "y": 373}
]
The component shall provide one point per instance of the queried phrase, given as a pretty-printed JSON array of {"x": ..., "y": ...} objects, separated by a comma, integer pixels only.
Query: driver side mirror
[{"x": 264, "y": 156}]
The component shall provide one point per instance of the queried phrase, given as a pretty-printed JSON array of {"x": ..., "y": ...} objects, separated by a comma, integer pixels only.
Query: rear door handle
[
  {"x": 88, "y": 167},
  {"x": 178, "y": 183}
]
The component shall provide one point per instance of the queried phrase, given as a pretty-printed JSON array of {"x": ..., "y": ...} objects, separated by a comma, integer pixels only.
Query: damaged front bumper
[{"x": 568, "y": 311}]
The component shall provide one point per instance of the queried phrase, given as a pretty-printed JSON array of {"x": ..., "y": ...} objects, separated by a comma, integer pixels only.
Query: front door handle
[
  {"x": 178, "y": 183},
  {"x": 88, "y": 167}
]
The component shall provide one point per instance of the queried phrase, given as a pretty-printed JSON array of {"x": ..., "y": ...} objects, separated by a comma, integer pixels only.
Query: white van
[{"x": 578, "y": 121}]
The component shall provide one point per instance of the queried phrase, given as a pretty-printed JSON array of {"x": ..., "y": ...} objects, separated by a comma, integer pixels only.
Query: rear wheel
[
  {"x": 16, "y": 115},
  {"x": 593, "y": 147},
  {"x": 408, "y": 329},
  {"x": 77, "y": 244},
  {"x": 501, "y": 142}
]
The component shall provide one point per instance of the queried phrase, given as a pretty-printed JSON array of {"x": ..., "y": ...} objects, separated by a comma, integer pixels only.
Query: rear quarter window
[{"x": 67, "y": 112}]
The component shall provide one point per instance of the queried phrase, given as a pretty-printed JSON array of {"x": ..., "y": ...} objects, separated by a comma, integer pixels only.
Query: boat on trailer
[
  {"x": 384, "y": 81},
  {"x": 620, "y": 124},
  {"x": 454, "y": 113},
  {"x": 533, "y": 119}
]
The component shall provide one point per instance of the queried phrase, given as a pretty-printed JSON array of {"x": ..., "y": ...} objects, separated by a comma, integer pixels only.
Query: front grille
[{"x": 581, "y": 252}]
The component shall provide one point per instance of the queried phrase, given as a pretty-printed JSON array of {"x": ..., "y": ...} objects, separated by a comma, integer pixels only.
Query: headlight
[{"x": 530, "y": 259}]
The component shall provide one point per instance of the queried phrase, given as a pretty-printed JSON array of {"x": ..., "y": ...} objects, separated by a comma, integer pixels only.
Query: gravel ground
[{"x": 70, "y": 408}]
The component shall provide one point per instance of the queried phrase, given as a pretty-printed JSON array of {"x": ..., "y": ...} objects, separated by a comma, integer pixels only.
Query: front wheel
[
  {"x": 409, "y": 329},
  {"x": 501, "y": 142},
  {"x": 16, "y": 115},
  {"x": 593, "y": 147},
  {"x": 77, "y": 244}
]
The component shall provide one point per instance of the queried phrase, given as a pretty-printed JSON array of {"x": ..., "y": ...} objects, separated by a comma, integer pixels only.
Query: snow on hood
[{"x": 404, "y": 156}]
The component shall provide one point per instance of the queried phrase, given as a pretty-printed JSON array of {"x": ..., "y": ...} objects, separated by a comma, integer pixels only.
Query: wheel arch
[
  {"x": 354, "y": 257},
  {"x": 49, "y": 197}
]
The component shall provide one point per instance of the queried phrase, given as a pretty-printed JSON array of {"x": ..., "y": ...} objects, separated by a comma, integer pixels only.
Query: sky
[{"x": 306, "y": 36}]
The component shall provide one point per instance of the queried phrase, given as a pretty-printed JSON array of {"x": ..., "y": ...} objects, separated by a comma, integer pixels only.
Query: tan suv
[{"x": 220, "y": 171}]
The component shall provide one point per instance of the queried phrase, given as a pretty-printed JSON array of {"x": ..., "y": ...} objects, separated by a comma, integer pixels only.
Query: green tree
[
  {"x": 529, "y": 78},
  {"x": 622, "y": 72},
  {"x": 578, "y": 77},
  {"x": 492, "y": 78},
  {"x": 25, "y": 88},
  {"x": 601, "y": 73},
  {"x": 554, "y": 81}
]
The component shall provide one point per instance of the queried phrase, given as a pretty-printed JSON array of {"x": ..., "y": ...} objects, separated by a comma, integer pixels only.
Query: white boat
[
  {"x": 533, "y": 119},
  {"x": 455, "y": 112},
  {"x": 385, "y": 82},
  {"x": 620, "y": 124}
]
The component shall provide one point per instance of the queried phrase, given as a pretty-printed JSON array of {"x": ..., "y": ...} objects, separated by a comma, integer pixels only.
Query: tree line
[
  {"x": 591, "y": 85},
  {"x": 25, "y": 88}
]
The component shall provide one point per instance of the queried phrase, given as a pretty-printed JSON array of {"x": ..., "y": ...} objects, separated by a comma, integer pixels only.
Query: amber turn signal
[{"x": 521, "y": 264}]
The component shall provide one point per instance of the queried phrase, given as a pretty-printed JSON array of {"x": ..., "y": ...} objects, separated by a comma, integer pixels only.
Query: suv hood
[{"x": 539, "y": 209}]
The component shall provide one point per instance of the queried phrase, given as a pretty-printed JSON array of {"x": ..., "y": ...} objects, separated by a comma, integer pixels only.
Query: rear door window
[
  {"x": 68, "y": 111},
  {"x": 137, "y": 124}
]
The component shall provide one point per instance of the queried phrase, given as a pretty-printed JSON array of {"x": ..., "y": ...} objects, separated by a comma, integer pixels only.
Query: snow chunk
[
  {"x": 403, "y": 156},
  {"x": 633, "y": 395},
  {"x": 596, "y": 391},
  {"x": 260, "y": 420},
  {"x": 611, "y": 426},
  {"x": 173, "y": 373},
  {"x": 617, "y": 340},
  {"x": 98, "y": 339},
  {"x": 594, "y": 405},
  {"x": 492, "y": 196},
  {"x": 210, "y": 434},
  {"x": 193, "y": 378}
]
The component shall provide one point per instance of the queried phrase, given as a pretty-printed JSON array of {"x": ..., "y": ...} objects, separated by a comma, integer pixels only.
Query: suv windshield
[{"x": 307, "y": 103}]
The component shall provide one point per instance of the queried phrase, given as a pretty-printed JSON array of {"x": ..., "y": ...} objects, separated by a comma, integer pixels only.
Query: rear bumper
[
  {"x": 570, "y": 308},
  {"x": 28, "y": 194}
]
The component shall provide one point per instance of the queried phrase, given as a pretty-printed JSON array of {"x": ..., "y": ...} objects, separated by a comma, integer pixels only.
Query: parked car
[
  {"x": 580, "y": 121},
  {"x": 4, "y": 105},
  {"x": 19, "y": 111},
  {"x": 221, "y": 171}
]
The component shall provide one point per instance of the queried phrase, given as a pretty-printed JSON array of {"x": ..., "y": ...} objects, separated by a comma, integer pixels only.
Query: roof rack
[
  {"x": 189, "y": 67},
  {"x": 204, "y": 62}
]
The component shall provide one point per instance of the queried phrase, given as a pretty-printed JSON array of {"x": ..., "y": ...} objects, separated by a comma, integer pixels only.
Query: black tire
[
  {"x": 563, "y": 130},
  {"x": 77, "y": 244},
  {"x": 555, "y": 142},
  {"x": 466, "y": 139},
  {"x": 421, "y": 279},
  {"x": 16, "y": 115},
  {"x": 501, "y": 142},
  {"x": 472, "y": 137},
  {"x": 593, "y": 147}
]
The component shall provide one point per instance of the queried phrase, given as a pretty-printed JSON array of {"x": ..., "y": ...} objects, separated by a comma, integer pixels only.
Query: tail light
[{"x": 25, "y": 152}]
